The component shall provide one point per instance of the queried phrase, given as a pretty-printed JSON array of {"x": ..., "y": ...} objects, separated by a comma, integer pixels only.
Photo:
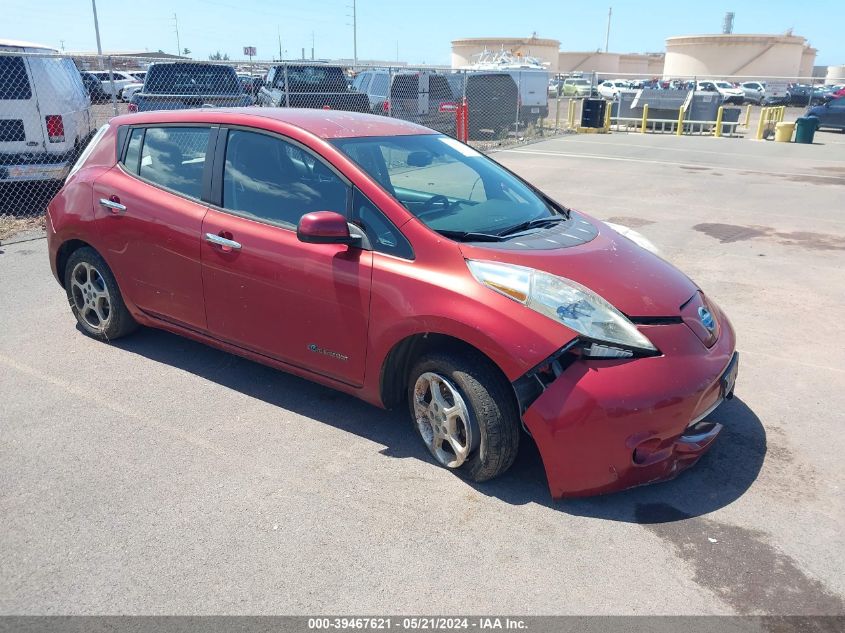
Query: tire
[
  {"x": 490, "y": 428},
  {"x": 95, "y": 298}
]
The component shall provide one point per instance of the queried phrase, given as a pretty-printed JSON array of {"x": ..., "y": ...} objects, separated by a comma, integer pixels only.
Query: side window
[
  {"x": 379, "y": 86},
  {"x": 133, "y": 150},
  {"x": 277, "y": 182},
  {"x": 382, "y": 233},
  {"x": 364, "y": 83},
  {"x": 174, "y": 157},
  {"x": 14, "y": 82}
]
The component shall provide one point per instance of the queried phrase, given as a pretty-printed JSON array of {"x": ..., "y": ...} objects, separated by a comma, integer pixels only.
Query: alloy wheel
[
  {"x": 91, "y": 297},
  {"x": 443, "y": 420}
]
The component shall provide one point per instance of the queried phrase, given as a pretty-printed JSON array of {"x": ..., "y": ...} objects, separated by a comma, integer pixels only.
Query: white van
[{"x": 45, "y": 113}]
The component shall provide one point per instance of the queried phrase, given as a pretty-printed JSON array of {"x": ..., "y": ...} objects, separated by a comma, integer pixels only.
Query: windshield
[
  {"x": 448, "y": 185},
  {"x": 724, "y": 84},
  {"x": 579, "y": 82}
]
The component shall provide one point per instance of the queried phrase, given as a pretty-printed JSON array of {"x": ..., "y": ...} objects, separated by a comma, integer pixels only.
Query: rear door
[
  {"x": 152, "y": 238},
  {"x": 20, "y": 122}
]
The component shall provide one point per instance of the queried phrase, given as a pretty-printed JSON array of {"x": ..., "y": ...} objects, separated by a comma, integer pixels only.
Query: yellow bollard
[
  {"x": 761, "y": 124},
  {"x": 607, "y": 118},
  {"x": 747, "y": 115},
  {"x": 718, "y": 131},
  {"x": 557, "y": 114},
  {"x": 571, "y": 113},
  {"x": 645, "y": 118},
  {"x": 680, "y": 129}
]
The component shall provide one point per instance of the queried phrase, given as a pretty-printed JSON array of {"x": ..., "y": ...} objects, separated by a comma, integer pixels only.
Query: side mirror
[
  {"x": 419, "y": 159},
  {"x": 325, "y": 227}
]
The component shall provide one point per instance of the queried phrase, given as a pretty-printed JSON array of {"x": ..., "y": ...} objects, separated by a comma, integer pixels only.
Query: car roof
[
  {"x": 22, "y": 44},
  {"x": 326, "y": 124}
]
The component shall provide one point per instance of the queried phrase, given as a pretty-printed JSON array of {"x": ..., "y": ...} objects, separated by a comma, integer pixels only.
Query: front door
[{"x": 304, "y": 304}]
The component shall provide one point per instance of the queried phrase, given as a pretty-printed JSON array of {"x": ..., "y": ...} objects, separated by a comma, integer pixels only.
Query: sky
[{"x": 415, "y": 31}]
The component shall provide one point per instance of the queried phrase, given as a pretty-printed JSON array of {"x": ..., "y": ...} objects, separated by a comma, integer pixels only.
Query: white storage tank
[
  {"x": 738, "y": 55},
  {"x": 835, "y": 75},
  {"x": 588, "y": 61}
]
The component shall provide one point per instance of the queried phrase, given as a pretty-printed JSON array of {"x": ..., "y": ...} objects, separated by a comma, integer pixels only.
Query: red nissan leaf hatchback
[{"x": 399, "y": 265}]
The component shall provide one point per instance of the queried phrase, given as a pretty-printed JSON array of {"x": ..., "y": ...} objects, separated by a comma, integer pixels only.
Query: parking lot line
[
  {"x": 649, "y": 161},
  {"x": 687, "y": 150},
  {"x": 107, "y": 403}
]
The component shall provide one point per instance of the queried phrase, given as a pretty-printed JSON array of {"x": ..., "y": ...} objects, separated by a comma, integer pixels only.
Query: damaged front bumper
[{"x": 604, "y": 426}]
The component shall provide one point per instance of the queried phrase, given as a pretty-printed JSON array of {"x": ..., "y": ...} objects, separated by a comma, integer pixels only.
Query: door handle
[
  {"x": 113, "y": 204},
  {"x": 222, "y": 241}
]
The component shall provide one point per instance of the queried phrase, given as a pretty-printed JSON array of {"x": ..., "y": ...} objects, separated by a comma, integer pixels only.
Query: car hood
[{"x": 636, "y": 281}]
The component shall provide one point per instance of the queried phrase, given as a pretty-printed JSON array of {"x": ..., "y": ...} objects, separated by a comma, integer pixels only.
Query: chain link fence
[{"x": 51, "y": 105}]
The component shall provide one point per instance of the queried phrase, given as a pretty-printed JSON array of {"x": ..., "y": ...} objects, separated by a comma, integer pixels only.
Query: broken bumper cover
[{"x": 604, "y": 426}]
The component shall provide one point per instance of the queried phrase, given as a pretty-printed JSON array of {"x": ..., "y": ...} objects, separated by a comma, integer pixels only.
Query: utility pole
[
  {"x": 63, "y": 45},
  {"x": 100, "y": 57},
  {"x": 354, "y": 32},
  {"x": 607, "y": 37},
  {"x": 312, "y": 46},
  {"x": 279, "y": 33},
  {"x": 97, "y": 32},
  {"x": 176, "y": 24}
]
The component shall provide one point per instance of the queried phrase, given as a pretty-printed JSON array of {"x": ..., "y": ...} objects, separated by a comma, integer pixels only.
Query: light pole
[
  {"x": 178, "y": 45},
  {"x": 100, "y": 56},
  {"x": 607, "y": 36},
  {"x": 354, "y": 32}
]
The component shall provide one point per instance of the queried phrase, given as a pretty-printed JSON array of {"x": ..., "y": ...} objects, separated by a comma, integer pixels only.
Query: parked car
[
  {"x": 250, "y": 83},
  {"x": 45, "y": 113},
  {"x": 610, "y": 88},
  {"x": 313, "y": 85},
  {"x": 129, "y": 90},
  {"x": 422, "y": 97},
  {"x": 830, "y": 114},
  {"x": 117, "y": 79},
  {"x": 399, "y": 265},
  {"x": 574, "y": 87},
  {"x": 176, "y": 86},
  {"x": 754, "y": 91},
  {"x": 728, "y": 92},
  {"x": 93, "y": 87},
  {"x": 492, "y": 101},
  {"x": 834, "y": 92}
]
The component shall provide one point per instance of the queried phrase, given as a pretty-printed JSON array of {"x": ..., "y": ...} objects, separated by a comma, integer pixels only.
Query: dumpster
[
  {"x": 805, "y": 129},
  {"x": 783, "y": 132},
  {"x": 593, "y": 112}
]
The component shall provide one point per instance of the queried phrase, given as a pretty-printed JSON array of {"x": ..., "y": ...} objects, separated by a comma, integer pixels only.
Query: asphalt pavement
[{"x": 158, "y": 476}]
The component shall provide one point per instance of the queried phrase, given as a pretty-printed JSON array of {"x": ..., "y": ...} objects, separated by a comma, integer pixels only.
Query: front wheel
[
  {"x": 465, "y": 412},
  {"x": 94, "y": 297}
]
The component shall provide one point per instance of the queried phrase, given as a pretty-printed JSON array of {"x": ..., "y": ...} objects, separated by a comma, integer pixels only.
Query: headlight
[{"x": 567, "y": 302}]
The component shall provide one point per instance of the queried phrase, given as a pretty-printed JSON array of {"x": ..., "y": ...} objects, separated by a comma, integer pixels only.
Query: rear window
[
  {"x": 439, "y": 88},
  {"x": 312, "y": 79},
  {"x": 405, "y": 87},
  {"x": 192, "y": 79},
  {"x": 14, "y": 82}
]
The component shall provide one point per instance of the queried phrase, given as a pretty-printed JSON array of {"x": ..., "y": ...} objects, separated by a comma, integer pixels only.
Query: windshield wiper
[
  {"x": 531, "y": 224},
  {"x": 470, "y": 236}
]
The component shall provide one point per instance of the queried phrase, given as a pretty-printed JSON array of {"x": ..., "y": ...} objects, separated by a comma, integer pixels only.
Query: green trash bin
[{"x": 805, "y": 129}]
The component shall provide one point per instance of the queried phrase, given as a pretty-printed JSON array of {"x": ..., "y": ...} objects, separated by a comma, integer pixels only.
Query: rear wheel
[
  {"x": 464, "y": 411},
  {"x": 94, "y": 297}
]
